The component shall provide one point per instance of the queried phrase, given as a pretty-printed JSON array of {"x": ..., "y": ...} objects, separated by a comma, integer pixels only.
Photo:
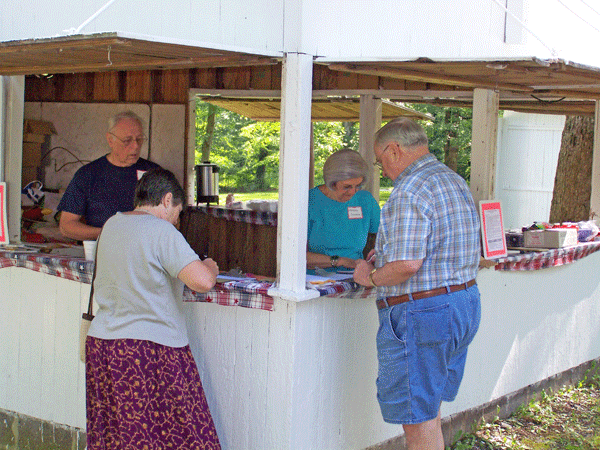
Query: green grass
[
  {"x": 245, "y": 196},
  {"x": 568, "y": 420}
]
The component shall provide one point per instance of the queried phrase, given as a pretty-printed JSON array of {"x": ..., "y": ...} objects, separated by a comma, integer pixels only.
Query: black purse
[{"x": 87, "y": 317}]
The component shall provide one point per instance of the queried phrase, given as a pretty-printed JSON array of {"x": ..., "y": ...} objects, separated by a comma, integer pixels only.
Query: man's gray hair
[
  {"x": 406, "y": 132},
  {"x": 343, "y": 165},
  {"x": 114, "y": 120}
]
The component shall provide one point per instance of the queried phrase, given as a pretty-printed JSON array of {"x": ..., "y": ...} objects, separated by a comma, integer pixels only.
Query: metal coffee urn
[{"x": 207, "y": 183}]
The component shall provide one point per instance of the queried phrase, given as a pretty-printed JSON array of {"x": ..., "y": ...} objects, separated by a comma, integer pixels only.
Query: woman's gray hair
[
  {"x": 406, "y": 132},
  {"x": 114, "y": 120},
  {"x": 343, "y": 165}
]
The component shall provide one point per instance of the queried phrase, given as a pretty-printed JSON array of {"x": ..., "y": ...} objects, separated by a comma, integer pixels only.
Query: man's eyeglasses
[
  {"x": 129, "y": 140},
  {"x": 379, "y": 163}
]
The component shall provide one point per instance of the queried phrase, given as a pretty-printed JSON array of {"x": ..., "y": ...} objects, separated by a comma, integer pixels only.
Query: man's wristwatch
[
  {"x": 371, "y": 277},
  {"x": 334, "y": 260}
]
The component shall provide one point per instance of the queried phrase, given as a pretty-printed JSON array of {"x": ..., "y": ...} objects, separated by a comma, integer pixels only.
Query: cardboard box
[
  {"x": 553, "y": 238},
  {"x": 29, "y": 174},
  {"x": 32, "y": 154},
  {"x": 38, "y": 127},
  {"x": 34, "y": 138}
]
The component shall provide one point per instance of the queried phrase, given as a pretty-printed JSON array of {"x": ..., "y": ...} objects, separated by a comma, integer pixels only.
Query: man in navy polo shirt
[{"x": 105, "y": 186}]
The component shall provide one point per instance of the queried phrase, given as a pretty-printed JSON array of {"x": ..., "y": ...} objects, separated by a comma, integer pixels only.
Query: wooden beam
[
  {"x": 428, "y": 77},
  {"x": 13, "y": 103},
  {"x": 370, "y": 122},
  {"x": 484, "y": 144},
  {"x": 595, "y": 194}
]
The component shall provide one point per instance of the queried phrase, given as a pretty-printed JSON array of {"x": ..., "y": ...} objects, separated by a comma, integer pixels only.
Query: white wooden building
[{"x": 303, "y": 375}]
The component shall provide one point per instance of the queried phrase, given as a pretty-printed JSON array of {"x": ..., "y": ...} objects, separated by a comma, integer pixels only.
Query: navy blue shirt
[{"x": 100, "y": 189}]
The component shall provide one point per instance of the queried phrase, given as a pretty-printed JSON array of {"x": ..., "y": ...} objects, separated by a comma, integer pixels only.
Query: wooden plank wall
[
  {"x": 40, "y": 372},
  {"x": 248, "y": 246},
  {"x": 172, "y": 86}
]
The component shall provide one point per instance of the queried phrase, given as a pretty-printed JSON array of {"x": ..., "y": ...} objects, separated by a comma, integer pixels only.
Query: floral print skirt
[{"x": 145, "y": 396}]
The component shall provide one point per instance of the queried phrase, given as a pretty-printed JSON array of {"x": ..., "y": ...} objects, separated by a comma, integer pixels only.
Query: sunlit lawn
[{"x": 245, "y": 196}]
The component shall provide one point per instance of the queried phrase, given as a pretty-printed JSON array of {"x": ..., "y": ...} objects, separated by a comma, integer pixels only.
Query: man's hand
[{"x": 362, "y": 271}]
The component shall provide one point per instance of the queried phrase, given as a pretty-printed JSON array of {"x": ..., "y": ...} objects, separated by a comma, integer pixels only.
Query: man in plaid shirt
[{"x": 424, "y": 266}]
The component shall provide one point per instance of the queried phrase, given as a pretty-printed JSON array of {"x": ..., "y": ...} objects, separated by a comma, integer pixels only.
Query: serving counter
[
  {"x": 249, "y": 293},
  {"x": 273, "y": 368}
]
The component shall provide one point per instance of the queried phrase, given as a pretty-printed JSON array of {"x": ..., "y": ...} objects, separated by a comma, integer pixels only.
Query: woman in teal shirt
[{"x": 340, "y": 215}]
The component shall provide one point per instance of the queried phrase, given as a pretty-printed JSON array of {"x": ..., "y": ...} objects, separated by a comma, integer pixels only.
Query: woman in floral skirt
[{"x": 143, "y": 386}]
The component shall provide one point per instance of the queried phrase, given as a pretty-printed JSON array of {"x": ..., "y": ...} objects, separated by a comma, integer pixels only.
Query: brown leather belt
[{"x": 391, "y": 301}]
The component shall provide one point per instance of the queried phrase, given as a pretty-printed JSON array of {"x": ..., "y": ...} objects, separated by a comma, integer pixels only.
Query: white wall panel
[
  {"x": 81, "y": 136},
  {"x": 41, "y": 374},
  {"x": 527, "y": 159},
  {"x": 337, "y": 29},
  {"x": 256, "y": 25}
]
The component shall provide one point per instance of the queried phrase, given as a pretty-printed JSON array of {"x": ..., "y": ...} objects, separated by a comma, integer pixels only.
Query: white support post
[
  {"x": 595, "y": 194},
  {"x": 12, "y": 103},
  {"x": 370, "y": 122},
  {"x": 190, "y": 155},
  {"x": 294, "y": 161},
  {"x": 484, "y": 144}
]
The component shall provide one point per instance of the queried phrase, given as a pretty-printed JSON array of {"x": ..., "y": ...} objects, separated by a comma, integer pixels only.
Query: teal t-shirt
[{"x": 336, "y": 228}]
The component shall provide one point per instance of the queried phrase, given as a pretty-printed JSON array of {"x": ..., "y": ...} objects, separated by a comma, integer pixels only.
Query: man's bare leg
[{"x": 425, "y": 436}]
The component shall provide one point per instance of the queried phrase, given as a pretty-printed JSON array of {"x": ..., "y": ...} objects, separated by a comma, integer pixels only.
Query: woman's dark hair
[{"x": 154, "y": 185}]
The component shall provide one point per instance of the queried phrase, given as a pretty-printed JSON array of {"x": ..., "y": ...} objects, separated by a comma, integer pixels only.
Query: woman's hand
[
  {"x": 200, "y": 276},
  {"x": 211, "y": 265}
]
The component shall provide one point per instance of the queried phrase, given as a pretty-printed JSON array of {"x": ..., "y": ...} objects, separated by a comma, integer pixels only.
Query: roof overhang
[
  {"x": 527, "y": 84},
  {"x": 524, "y": 84},
  {"x": 115, "y": 51},
  {"x": 334, "y": 108}
]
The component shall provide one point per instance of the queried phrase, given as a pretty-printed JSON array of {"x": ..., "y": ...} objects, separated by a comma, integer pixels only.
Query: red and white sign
[
  {"x": 3, "y": 224},
  {"x": 492, "y": 229}
]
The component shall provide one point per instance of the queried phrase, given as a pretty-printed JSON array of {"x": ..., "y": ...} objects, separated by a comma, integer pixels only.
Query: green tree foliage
[
  {"x": 450, "y": 134},
  {"x": 247, "y": 151}
]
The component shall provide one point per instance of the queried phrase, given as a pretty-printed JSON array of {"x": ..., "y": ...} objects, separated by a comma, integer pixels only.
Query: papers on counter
[
  {"x": 224, "y": 278},
  {"x": 330, "y": 278}
]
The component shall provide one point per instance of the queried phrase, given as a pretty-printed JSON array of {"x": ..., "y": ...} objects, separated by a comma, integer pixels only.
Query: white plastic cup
[{"x": 89, "y": 248}]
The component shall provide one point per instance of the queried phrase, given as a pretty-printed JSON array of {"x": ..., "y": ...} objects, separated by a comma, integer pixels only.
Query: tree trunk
[
  {"x": 573, "y": 182},
  {"x": 210, "y": 131},
  {"x": 450, "y": 151}
]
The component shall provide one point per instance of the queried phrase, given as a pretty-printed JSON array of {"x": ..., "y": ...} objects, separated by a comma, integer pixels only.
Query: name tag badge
[
  {"x": 140, "y": 173},
  {"x": 355, "y": 212}
]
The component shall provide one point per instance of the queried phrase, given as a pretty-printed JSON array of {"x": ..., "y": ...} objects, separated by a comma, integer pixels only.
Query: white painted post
[
  {"x": 11, "y": 148},
  {"x": 294, "y": 161},
  {"x": 370, "y": 122},
  {"x": 190, "y": 156},
  {"x": 484, "y": 144},
  {"x": 595, "y": 194}
]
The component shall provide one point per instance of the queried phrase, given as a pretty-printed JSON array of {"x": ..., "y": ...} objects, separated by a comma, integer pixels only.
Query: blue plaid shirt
[{"x": 431, "y": 216}]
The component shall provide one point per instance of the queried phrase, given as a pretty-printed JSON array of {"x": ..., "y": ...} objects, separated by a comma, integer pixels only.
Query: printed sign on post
[
  {"x": 3, "y": 224},
  {"x": 492, "y": 229}
]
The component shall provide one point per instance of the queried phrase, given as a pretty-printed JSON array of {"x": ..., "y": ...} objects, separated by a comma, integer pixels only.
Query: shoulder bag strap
[{"x": 89, "y": 315}]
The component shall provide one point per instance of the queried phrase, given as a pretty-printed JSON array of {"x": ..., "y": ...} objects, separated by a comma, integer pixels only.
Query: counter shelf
[
  {"x": 545, "y": 258},
  {"x": 247, "y": 293}
]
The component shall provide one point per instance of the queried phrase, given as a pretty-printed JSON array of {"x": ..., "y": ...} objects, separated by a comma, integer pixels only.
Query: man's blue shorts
[{"x": 422, "y": 349}]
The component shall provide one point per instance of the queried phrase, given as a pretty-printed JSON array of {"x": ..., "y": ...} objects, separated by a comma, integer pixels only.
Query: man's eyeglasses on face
[
  {"x": 129, "y": 140},
  {"x": 377, "y": 162}
]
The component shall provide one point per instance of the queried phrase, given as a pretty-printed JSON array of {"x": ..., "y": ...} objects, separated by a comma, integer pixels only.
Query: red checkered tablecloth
[
  {"x": 247, "y": 293},
  {"x": 550, "y": 258},
  {"x": 76, "y": 269},
  {"x": 241, "y": 215}
]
